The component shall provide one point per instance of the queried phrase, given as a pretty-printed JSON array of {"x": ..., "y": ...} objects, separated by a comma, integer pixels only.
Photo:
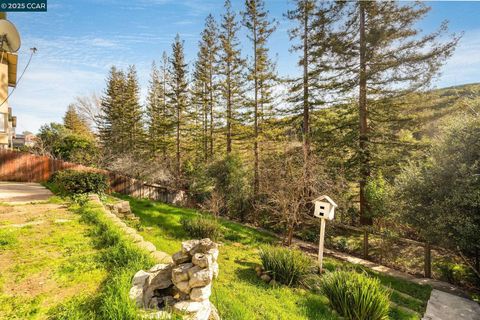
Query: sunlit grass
[{"x": 238, "y": 292}]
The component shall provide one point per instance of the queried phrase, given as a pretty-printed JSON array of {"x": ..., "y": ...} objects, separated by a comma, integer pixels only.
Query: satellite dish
[{"x": 9, "y": 37}]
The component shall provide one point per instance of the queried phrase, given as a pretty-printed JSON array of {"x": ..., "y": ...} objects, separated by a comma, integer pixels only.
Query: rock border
[{"x": 158, "y": 256}]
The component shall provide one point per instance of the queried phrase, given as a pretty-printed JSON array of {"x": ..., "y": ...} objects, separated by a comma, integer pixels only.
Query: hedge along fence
[{"x": 25, "y": 167}]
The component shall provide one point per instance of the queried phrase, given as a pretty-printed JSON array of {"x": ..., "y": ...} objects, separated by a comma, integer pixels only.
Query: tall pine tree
[
  {"x": 132, "y": 121},
  {"x": 261, "y": 73},
  {"x": 381, "y": 55},
  {"x": 110, "y": 129},
  {"x": 178, "y": 95},
  {"x": 232, "y": 71},
  {"x": 206, "y": 78}
]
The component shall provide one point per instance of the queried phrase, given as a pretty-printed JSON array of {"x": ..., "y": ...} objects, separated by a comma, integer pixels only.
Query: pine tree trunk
[
  {"x": 164, "y": 131},
  {"x": 229, "y": 112},
  {"x": 256, "y": 178},
  {"x": 178, "y": 144},
  {"x": 211, "y": 130},
  {"x": 363, "y": 133},
  {"x": 306, "y": 106},
  {"x": 205, "y": 126}
]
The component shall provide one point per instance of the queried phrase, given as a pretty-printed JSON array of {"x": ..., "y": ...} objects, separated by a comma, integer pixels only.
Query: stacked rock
[
  {"x": 185, "y": 285},
  {"x": 122, "y": 210}
]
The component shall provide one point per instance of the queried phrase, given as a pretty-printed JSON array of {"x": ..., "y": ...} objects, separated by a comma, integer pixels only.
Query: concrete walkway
[
  {"x": 445, "y": 306},
  {"x": 20, "y": 193},
  {"x": 435, "y": 284}
]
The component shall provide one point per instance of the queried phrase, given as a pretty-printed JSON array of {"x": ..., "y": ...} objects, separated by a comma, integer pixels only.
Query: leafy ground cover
[{"x": 239, "y": 293}]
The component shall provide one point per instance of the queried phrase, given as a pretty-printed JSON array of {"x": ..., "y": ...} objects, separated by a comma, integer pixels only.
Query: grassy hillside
[{"x": 239, "y": 293}]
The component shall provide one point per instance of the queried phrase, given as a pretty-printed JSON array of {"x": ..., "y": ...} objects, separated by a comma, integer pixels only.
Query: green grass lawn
[
  {"x": 46, "y": 258},
  {"x": 73, "y": 263},
  {"x": 238, "y": 292}
]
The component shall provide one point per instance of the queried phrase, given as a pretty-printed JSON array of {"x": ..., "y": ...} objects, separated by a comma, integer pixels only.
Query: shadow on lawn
[
  {"x": 315, "y": 305},
  {"x": 250, "y": 276},
  {"x": 156, "y": 214}
]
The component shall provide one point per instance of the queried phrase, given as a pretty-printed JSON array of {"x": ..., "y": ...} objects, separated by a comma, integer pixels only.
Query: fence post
[
  {"x": 477, "y": 260},
  {"x": 428, "y": 261},
  {"x": 365, "y": 244}
]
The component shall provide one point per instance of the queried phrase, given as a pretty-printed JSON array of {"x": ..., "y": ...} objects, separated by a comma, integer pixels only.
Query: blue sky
[{"x": 78, "y": 41}]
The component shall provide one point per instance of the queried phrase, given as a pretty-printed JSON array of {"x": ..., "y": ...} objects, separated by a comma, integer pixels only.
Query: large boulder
[
  {"x": 202, "y": 260},
  {"x": 181, "y": 257},
  {"x": 136, "y": 294},
  {"x": 140, "y": 278}
]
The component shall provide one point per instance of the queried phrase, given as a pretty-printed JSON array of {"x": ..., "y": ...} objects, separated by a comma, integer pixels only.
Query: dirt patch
[{"x": 21, "y": 214}]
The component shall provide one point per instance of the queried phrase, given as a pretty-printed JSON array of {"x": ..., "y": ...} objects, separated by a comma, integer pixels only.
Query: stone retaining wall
[
  {"x": 182, "y": 283},
  {"x": 158, "y": 256}
]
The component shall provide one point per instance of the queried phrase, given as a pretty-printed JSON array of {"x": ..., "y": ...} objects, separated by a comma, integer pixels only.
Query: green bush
[
  {"x": 457, "y": 274},
  {"x": 232, "y": 185},
  {"x": 288, "y": 266},
  {"x": 202, "y": 227},
  {"x": 74, "y": 183},
  {"x": 356, "y": 296}
]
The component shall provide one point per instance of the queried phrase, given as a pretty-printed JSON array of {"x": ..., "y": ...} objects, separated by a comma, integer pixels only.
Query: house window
[{"x": 3, "y": 122}]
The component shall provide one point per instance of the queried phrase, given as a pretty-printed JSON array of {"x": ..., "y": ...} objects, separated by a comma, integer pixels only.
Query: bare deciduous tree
[
  {"x": 287, "y": 201},
  {"x": 88, "y": 108}
]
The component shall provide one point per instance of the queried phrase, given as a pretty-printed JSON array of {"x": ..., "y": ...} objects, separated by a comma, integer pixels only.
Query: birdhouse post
[{"x": 324, "y": 209}]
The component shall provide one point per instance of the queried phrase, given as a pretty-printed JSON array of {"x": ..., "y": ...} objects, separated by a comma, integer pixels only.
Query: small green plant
[
  {"x": 76, "y": 183},
  {"x": 356, "y": 296},
  {"x": 202, "y": 227},
  {"x": 7, "y": 239},
  {"x": 456, "y": 273},
  {"x": 288, "y": 266}
]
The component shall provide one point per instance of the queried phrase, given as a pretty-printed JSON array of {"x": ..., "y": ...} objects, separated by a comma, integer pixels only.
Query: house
[
  {"x": 26, "y": 139},
  {"x": 8, "y": 78}
]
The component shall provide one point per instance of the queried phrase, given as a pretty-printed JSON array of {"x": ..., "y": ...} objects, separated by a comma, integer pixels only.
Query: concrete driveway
[{"x": 19, "y": 192}]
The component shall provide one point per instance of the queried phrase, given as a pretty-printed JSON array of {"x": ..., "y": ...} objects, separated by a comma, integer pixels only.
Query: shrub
[
  {"x": 232, "y": 185},
  {"x": 457, "y": 274},
  {"x": 201, "y": 227},
  {"x": 356, "y": 296},
  {"x": 74, "y": 183},
  {"x": 288, "y": 266}
]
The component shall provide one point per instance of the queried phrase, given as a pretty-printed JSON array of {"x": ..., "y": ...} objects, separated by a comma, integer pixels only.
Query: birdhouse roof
[{"x": 327, "y": 198}]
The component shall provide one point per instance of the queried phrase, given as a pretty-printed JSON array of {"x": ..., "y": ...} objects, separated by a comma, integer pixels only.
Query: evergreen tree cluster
[{"x": 359, "y": 63}]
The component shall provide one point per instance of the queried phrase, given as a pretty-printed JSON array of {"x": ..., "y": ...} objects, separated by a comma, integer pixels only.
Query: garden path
[
  {"x": 446, "y": 306},
  {"x": 18, "y": 192}
]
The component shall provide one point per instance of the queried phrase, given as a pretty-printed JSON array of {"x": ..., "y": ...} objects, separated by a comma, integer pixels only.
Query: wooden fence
[
  {"x": 427, "y": 259},
  {"x": 25, "y": 167}
]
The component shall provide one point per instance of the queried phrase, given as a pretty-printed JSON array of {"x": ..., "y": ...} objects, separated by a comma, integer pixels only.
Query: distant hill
[{"x": 439, "y": 106}]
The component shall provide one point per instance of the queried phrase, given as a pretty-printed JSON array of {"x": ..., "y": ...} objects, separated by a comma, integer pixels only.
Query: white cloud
[
  {"x": 45, "y": 91},
  {"x": 463, "y": 66}
]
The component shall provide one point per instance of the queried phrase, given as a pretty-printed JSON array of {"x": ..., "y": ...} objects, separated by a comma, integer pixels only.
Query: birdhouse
[{"x": 324, "y": 207}]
